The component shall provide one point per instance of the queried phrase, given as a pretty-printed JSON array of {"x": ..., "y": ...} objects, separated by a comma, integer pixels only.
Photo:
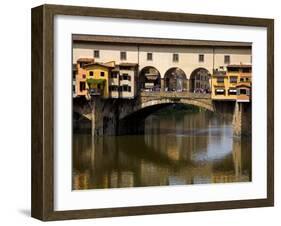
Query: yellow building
[
  {"x": 232, "y": 83},
  {"x": 97, "y": 78}
]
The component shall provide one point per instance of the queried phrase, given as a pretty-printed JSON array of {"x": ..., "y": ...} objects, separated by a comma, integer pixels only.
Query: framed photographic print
[{"x": 141, "y": 112}]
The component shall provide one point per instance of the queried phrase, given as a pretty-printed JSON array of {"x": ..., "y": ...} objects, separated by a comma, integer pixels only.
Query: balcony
[
  {"x": 219, "y": 73},
  {"x": 96, "y": 86}
]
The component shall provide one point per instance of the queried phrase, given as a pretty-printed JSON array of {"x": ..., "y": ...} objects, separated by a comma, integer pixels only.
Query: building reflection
[{"x": 188, "y": 149}]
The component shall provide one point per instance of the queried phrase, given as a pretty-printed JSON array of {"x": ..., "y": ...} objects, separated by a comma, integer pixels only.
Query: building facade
[
  {"x": 122, "y": 81},
  {"x": 162, "y": 65},
  {"x": 97, "y": 78},
  {"x": 79, "y": 77},
  {"x": 107, "y": 80},
  {"x": 232, "y": 83}
]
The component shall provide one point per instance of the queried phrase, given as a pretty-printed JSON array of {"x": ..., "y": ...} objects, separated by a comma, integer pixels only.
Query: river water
[{"x": 179, "y": 148}]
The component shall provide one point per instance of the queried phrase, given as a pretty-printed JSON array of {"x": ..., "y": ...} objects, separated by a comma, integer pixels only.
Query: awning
[
  {"x": 151, "y": 76},
  {"x": 149, "y": 85},
  {"x": 219, "y": 90}
]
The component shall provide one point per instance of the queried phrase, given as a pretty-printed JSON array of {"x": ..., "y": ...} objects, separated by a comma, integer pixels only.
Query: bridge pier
[
  {"x": 104, "y": 117},
  {"x": 242, "y": 120},
  {"x": 162, "y": 84},
  {"x": 97, "y": 117}
]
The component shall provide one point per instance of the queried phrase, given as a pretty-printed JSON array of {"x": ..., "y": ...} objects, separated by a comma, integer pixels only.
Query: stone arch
[
  {"x": 199, "y": 80},
  {"x": 149, "y": 79},
  {"x": 151, "y": 105},
  {"x": 175, "y": 80}
]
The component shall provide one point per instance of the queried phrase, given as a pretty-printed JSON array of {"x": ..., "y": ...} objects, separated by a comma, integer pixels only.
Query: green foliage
[{"x": 95, "y": 81}]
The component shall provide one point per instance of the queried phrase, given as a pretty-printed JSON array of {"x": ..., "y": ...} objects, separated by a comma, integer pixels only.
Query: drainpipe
[
  {"x": 213, "y": 59},
  {"x": 138, "y": 85}
]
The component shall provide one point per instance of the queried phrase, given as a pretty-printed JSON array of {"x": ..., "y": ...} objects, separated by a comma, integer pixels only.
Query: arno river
[{"x": 180, "y": 146}]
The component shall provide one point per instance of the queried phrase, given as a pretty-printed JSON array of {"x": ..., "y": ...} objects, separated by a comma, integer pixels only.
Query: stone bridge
[
  {"x": 126, "y": 116},
  {"x": 160, "y": 99}
]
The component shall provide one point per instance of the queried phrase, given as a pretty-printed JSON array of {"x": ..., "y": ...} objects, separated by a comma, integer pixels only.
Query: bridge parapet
[{"x": 181, "y": 95}]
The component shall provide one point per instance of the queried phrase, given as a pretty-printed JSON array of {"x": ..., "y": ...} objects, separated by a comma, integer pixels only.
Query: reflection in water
[{"x": 176, "y": 149}]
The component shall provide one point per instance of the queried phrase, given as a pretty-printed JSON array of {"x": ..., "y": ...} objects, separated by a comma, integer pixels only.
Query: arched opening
[
  {"x": 175, "y": 80},
  {"x": 200, "y": 81},
  {"x": 134, "y": 122},
  {"x": 149, "y": 79}
]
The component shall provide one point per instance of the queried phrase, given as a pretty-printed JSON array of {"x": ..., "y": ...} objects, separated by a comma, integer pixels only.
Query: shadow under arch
[
  {"x": 175, "y": 80},
  {"x": 149, "y": 79},
  {"x": 134, "y": 122},
  {"x": 200, "y": 80}
]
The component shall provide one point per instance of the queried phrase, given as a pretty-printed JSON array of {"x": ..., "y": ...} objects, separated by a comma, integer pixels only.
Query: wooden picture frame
[{"x": 43, "y": 108}]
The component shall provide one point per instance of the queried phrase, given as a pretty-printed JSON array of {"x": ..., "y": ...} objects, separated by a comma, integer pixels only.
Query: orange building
[
  {"x": 232, "y": 83},
  {"x": 80, "y": 77}
]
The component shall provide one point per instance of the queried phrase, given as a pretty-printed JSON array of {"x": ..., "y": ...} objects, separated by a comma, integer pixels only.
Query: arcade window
[
  {"x": 175, "y": 57},
  {"x": 149, "y": 56},
  {"x": 123, "y": 55},
  {"x": 227, "y": 59},
  {"x": 201, "y": 57},
  {"x": 96, "y": 54}
]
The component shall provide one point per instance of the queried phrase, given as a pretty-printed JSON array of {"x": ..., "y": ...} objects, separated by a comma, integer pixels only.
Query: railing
[
  {"x": 167, "y": 94},
  {"x": 94, "y": 92}
]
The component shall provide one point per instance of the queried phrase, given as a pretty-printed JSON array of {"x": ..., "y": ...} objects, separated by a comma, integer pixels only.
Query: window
[
  {"x": 113, "y": 88},
  {"x": 219, "y": 91},
  {"x": 246, "y": 70},
  {"x": 203, "y": 78},
  {"x": 241, "y": 79},
  {"x": 126, "y": 88},
  {"x": 91, "y": 73},
  {"x": 175, "y": 57},
  {"x": 220, "y": 79},
  {"x": 96, "y": 54},
  {"x": 83, "y": 76},
  {"x": 149, "y": 56},
  {"x": 82, "y": 86},
  {"x": 233, "y": 79},
  {"x": 227, "y": 59},
  {"x": 201, "y": 57},
  {"x": 232, "y": 91},
  {"x": 102, "y": 73},
  {"x": 126, "y": 77},
  {"x": 243, "y": 91},
  {"x": 114, "y": 74},
  {"x": 123, "y": 55}
]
